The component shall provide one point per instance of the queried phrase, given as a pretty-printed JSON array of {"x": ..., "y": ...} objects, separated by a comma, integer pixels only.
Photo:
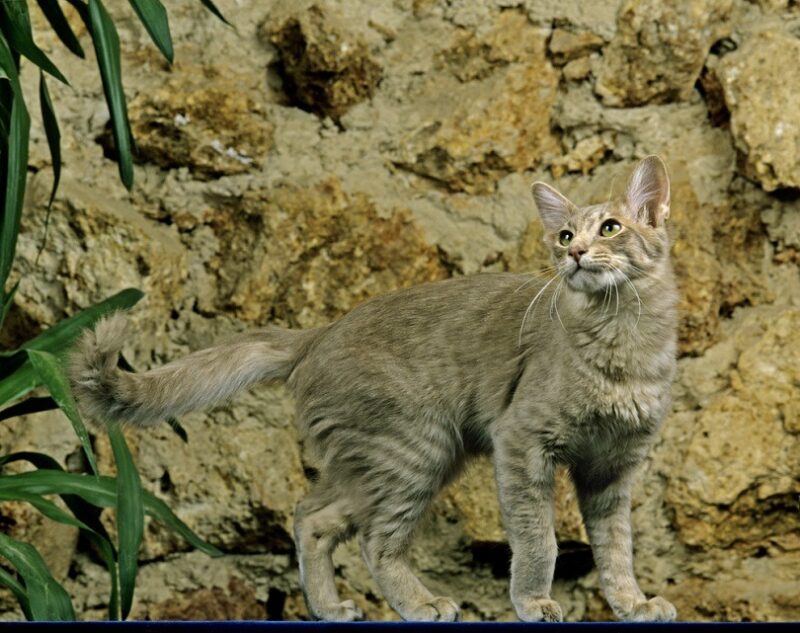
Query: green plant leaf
[
  {"x": 46, "y": 507},
  {"x": 130, "y": 517},
  {"x": 55, "y": 16},
  {"x": 17, "y": 376},
  {"x": 17, "y": 29},
  {"x": 5, "y": 302},
  {"x": 13, "y": 165},
  {"x": 106, "y": 46},
  {"x": 48, "y": 600},
  {"x": 51, "y": 374},
  {"x": 19, "y": 592},
  {"x": 83, "y": 10},
  {"x": 209, "y": 4},
  {"x": 154, "y": 17},
  {"x": 28, "y": 406},
  {"x": 101, "y": 543},
  {"x": 101, "y": 491},
  {"x": 54, "y": 144}
]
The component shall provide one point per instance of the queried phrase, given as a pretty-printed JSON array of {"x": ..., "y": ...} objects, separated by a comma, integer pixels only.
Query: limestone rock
[
  {"x": 751, "y": 425},
  {"x": 478, "y": 132},
  {"x": 577, "y": 69},
  {"x": 511, "y": 39},
  {"x": 566, "y": 46},
  {"x": 585, "y": 156},
  {"x": 474, "y": 496},
  {"x": 758, "y": 81},
  {"x": 659, "y": 49},
  {"x": 235, "y": 482},
  {"x": 96, "y": 247},
  {"x": 235, "y": 602},
  {"x": 308, "y": 256},
  {"x": 717, "y": 255},
  {"x": 206, "y": 119},
  {"x": 326, "y": 67}
]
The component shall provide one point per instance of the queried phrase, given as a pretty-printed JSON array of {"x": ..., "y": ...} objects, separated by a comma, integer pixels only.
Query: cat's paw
[
  {"x": 653, "y": 610},
  {"x": 538, "y": 610},
  {"x": 346, "y": 611},
  {"x": 436, "y": 610}
]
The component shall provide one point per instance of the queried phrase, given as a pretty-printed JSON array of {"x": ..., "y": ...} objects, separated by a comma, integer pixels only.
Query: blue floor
[{"x": 386, "y": 627}]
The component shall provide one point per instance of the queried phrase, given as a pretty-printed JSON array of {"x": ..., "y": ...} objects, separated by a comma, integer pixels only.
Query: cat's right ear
[{"x": 554, "y": 209}]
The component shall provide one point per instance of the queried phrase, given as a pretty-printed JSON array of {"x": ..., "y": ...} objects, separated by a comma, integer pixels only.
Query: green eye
[
  {"x": 610, "y": 228},
  {"x": 564, "y": 238}
]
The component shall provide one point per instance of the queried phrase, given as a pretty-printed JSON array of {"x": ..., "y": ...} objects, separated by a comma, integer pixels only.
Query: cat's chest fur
[{"x": 617, "y": 382}]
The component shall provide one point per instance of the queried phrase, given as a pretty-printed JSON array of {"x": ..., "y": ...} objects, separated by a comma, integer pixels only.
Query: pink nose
[{"x": 576, "y": 252}]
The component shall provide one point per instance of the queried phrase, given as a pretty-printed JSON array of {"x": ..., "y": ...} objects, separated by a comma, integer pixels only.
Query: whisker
[
  {"x": 555, "y": 304},
  {"x": 536, "y": 275},
  {"x": 530, "y": 306},
  {"x": 638, "y": 298}
]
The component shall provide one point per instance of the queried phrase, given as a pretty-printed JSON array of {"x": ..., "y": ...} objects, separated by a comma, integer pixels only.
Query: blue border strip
[{"x": 386, "y": 627}]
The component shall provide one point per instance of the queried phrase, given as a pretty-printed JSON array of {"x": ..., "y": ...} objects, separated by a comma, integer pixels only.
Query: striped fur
[{"x": 398, "y": 394}]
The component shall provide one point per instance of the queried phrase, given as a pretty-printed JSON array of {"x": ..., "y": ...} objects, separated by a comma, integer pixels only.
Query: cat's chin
[{"x": 591, "y": 281}]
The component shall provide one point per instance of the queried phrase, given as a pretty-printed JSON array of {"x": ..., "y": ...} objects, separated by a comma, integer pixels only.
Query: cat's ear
[
  {"x": 647, "y": 195},
  {"x": 554, "y": 209}
]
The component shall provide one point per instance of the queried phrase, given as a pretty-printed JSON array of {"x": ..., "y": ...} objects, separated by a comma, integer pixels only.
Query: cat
[{"x": 397, "y": 394}]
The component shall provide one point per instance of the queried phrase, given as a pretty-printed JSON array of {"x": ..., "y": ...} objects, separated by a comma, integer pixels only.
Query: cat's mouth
[{"x": 587, "y": 268}]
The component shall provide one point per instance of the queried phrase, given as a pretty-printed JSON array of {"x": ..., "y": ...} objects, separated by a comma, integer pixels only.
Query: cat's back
[
  {"x": 434, "y": 329},
  {"x": 424, "y": 312}
]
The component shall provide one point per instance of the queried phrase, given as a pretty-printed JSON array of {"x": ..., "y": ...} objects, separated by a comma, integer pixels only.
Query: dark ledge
[{"x": 386, "y": 627}]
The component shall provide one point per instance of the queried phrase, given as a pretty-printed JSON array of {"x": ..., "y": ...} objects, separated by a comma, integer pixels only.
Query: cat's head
[{"x": 597, "y": 246}]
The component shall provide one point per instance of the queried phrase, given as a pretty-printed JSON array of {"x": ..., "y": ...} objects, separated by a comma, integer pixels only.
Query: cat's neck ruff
[{"x": 624, "y": 331}]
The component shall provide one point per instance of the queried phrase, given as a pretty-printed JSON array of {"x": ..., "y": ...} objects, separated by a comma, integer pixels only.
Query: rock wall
[{"x": 324, "y": 152}]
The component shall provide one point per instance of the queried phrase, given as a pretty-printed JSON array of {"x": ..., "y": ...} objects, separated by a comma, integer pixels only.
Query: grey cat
[{"x": 396, "y": 395}]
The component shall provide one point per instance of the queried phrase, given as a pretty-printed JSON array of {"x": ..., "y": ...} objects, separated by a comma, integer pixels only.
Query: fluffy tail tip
[{"x": 93, "y": 365}]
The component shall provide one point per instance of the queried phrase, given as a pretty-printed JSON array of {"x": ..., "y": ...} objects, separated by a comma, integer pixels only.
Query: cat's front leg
[
  {"x": 526, "y": 486},
  {"x": 607, "y": 514}
]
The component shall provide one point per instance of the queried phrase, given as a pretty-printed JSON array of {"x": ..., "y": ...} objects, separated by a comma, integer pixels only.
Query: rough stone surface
[
  {"x": 753, "y": 506},
  {"x": 659, "y": 49},
  {"x": 326, "y": 68},
  {"x": 205, "y": 119},
  {"x": 758, "y": 81},
  {"x": 373, "y": 185},
  {"x": 496, "y": 122}
]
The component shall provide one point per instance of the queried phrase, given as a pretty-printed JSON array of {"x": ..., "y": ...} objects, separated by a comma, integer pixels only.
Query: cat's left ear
[{"x": 647, "y": 195}]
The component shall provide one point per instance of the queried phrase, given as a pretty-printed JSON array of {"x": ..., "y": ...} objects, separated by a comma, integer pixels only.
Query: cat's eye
[
  {"x": 564, "y": 238},
  {"x": 610, "y": 228}
]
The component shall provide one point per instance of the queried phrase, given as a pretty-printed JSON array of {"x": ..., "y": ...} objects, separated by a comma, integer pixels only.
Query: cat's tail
[{"x": 108, "y": 394}]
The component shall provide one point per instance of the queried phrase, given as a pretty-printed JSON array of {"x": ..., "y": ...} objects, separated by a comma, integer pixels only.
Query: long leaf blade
[
  {"x": 51, "y": 374},
  {"x": 53, "y": 135},
  {"x": 102, "y": 492},
  {"x": 26, "y": 407},
  {"x": 17, "y": 28},
  {"x": 19, "y": 592},
  {"x": 46, "y": 507},
  {"x": 154, "y": 17},
  {"x": 106, "y": 46},
  {"x": 17, "y": 376},
  {"x": 101, "y": 543},
  {"x": 13, "y": 165},
  {"x": 130, "y": 517},
  {"x": 55, "y": 16},
  {"x": 5, "y": 302},
  {"x": 48, "y": 600},
  {"x": 209, "y": 4}
]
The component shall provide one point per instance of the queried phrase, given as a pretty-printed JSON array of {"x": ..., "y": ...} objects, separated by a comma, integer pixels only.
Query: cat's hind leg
[
  {"x": 320, "y": 524},
  {"x": 400, "y": 492}
]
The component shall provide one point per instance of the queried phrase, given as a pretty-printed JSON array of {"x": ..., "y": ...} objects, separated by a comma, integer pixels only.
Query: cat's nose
[{"x": 576, "y": 252}]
